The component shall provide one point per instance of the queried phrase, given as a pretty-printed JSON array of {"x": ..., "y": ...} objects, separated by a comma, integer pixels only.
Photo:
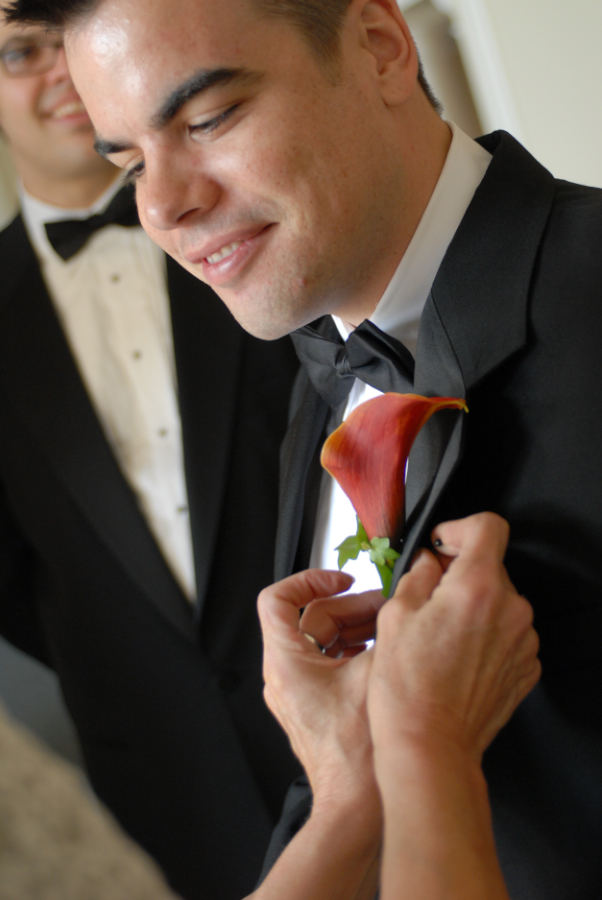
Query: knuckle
[
  {"x": 261, "y": 603},
  {"x": 268, "y": 697},
  {"x": 263, "y": 600},
  {"x": 523, "y": 611},
  {"x": 390, "y": 615},
  {"x": 478, "y": 590},
  {"x": 489, "y": 526}
]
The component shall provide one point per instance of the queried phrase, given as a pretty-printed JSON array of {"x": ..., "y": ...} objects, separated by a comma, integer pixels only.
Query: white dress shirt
[
  {"x": 398, "y": 314},
  {"x": 111, "y": 298}
]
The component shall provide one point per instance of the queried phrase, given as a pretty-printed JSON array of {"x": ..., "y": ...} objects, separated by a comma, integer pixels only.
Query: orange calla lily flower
[{"x": 368, "y": 453}]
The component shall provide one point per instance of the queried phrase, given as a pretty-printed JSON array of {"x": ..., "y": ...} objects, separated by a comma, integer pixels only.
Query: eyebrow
[{"x": 200, "y": 82}]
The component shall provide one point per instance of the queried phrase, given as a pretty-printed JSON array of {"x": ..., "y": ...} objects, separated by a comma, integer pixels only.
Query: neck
[
  {"x": 77, "y": 192},
  {"x": 422, "y": 159}
]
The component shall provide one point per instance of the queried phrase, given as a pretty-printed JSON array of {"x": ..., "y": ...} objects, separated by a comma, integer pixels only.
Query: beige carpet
[{"x": 55, "y": 842}]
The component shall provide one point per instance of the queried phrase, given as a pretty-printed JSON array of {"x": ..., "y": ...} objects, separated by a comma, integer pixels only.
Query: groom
[{"x": 289, "y": 154}]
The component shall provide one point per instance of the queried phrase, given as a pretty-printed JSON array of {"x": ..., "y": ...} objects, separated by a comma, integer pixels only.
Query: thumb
[{"x": 417, "y": 585}]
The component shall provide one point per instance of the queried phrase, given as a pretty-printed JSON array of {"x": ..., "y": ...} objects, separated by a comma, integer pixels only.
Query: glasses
[{"x": 33, "y": 54}]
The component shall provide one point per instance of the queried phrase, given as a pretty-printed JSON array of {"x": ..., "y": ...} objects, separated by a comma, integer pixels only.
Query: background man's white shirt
[
  {"x": 111, "y": 298},
  {"x": 398, "y": 314}
]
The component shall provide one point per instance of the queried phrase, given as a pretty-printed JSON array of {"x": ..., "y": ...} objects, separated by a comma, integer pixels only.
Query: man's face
[
  {"x": 42, "y": 116},
  {"x": 254, "y": 168}
]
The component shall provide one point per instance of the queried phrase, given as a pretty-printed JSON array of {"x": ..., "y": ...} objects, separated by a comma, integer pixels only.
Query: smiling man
[
  {"x": 237, "y": 155},
  {"x": 140, "y": 436},
  {"x": 288, "y": 154}
]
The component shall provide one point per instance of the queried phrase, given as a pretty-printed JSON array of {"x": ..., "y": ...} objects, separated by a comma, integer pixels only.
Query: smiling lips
[
  {"x": 223, "y": 261},
  {"x": 226, "y": 251},
  {"x": 69, "y": 108}
]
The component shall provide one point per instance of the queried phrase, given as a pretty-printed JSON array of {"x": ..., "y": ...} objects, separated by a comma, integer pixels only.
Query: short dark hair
[
  {"x": 319, "y": 21},
  {"x": 51, "y": 13}
]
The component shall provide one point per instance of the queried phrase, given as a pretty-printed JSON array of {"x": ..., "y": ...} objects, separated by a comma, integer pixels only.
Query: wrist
[
  {"x": 432, "y": 758},
  {"x": 438, "y": 833},
  {"x": 354, "y": 817}
]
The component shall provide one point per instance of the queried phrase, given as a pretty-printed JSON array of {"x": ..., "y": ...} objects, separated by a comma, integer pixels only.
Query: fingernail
[{"x": 312, "y": 640}]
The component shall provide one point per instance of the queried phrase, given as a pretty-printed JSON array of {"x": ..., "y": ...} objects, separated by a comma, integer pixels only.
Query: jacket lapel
[
  {"x": 39, "y": 376},
  {"x": 299, "y": 451},
  {"x": 476, "y": 315}
]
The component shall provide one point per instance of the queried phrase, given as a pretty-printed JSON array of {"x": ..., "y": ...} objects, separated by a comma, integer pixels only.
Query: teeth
[
  {"x": 224, "y": 252},
  {"x": 68, "y": 109}
]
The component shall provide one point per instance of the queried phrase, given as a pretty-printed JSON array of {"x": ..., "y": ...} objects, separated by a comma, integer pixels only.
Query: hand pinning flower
[{"x": 368, "y": 455}]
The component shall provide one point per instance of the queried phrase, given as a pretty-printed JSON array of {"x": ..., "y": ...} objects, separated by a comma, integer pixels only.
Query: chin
[
  {"x": 269, "y": 325},
  {"x": 265, "y": 330}
]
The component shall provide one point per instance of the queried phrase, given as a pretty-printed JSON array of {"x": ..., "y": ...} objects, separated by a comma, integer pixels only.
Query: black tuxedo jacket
[
  {"x": 514, "y": 324},
  {"x": 167, "y": 703}
]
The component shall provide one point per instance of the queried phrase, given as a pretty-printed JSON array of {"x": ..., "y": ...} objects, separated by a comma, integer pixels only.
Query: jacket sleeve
[{"x": 295, "y": 813}]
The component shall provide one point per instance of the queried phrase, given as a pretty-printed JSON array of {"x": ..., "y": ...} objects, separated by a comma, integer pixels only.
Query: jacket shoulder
[{"x": 570, "y": 253}]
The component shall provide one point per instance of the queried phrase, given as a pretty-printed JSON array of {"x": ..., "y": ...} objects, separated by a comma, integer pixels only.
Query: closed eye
[
  {"x": 213, "y": 124},
  {"x": 134, "y": 173}
]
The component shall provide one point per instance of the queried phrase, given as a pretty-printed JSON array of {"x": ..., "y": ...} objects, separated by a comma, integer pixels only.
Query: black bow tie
[
  {"x": 69, "y": 236},
  {"x": 369, "y": 354}
]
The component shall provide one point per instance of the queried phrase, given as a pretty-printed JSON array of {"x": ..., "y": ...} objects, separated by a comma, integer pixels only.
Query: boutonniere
[{"x": 368, "y": 456}]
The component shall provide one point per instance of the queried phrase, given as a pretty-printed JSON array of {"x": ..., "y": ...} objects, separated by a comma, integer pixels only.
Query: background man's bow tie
[
  {"x": 69, "y": 236},
  {"x": 369, "y": 354}
]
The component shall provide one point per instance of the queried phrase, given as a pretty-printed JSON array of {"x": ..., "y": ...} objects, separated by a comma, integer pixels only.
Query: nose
[
  {"x": 60, "y": 70},
  {"x": 175, "y": 191}
]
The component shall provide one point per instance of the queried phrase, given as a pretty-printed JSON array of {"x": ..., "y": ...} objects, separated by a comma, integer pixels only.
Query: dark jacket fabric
[
  {"x": 167, "y": 700},
  {"x": 513, "y": 323}
]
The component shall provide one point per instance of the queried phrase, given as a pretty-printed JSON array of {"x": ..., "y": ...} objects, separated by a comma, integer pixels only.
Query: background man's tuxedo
[
  {"x": 514, "y": 324},
  {"x": 167, "y": 703}
]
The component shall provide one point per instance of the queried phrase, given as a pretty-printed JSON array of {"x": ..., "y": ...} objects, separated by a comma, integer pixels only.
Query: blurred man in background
[{"x": 138, "y": 474}]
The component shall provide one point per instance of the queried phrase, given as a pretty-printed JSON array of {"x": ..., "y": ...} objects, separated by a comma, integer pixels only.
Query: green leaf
[
  {"x": 348, "y": 549},
  {"x": 380, "y": 544},
  {"x": 361, "y": 533},
  {"x": 385, "y": 578},
  {"x": 381, "y": 553},
  {"x": 391, "y": 555},
  {"x": 377, "y": 558},
  {"x": 379, "y": 550}
]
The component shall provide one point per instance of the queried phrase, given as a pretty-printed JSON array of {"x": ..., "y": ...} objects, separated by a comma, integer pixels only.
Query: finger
[
  {"x": 350, "y": 652},
  {"x": 351, "y": 637},
  {"x": 278, "y": 605},
  {"x": 326, "y": 619},
  {"x": 481, "y": 535},
  {"x": 417, "y": 585}
]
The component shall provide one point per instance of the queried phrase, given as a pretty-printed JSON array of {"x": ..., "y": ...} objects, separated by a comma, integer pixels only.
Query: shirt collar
[
  {"x": 407, "y": 292},
  {"x": 36, "y": 214}
]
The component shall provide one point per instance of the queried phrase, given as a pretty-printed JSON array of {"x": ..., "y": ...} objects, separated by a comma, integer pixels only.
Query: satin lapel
[
  {"x": 209, "y": 346},
  {"x": 476, "y": 315},
  {"x": 437, "y": 449},
  {"x": 298, "y": 451},
  {"x": 39, "y": 375}
]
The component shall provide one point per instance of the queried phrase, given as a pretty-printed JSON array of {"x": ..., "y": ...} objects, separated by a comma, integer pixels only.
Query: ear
[{"x": 385, "y": 35}]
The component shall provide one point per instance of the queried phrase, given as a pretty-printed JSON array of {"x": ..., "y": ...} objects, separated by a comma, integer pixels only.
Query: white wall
[
  {"x": 442, "y": 63},
  {"x": 535, "y": 68}
]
